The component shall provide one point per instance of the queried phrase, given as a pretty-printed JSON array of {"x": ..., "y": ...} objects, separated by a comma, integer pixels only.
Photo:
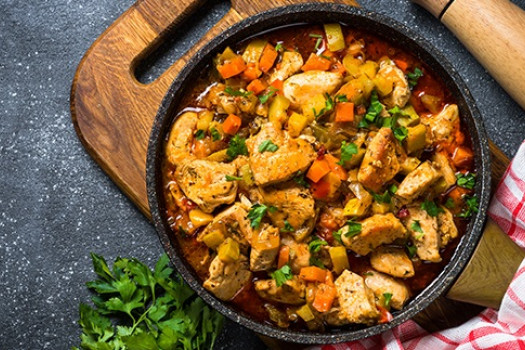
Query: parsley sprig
[
  {"x": 431, "y": 208},
  {"x": 347, "y": 151},
  {"x": 231, "y": 91},
  {"x": 472, "y": 206},
  {"x": 237, "y": 147},
  {"x": 282, "y": 275},
  {"x": 467, "y": 181},
  {"x": 315, "y": 244},
  {"x": 414, "y": 77},
  {"x": 354, "y": 228},
  {"x": 257, "y": 212},
  {"x": 268, "y": 146}
]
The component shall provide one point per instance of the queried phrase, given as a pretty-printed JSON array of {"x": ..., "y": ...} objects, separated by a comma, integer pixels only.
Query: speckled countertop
[{"x": 56, "y": 205}]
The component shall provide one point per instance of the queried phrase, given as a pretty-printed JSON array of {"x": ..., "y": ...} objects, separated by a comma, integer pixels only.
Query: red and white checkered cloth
[{"x": 491, "y": 329}]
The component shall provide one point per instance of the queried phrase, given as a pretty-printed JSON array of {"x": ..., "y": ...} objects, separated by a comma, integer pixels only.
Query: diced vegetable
[
  {"x": 284, "y": 256},
  {"x": 318, "y": 169},
  {"x": 313, "y": 106},
  {"x": 324, "y": 298},
  {"x": 251, "y": 72},
  {"x": 246, "y": 174},
  {"x": 277, "y": 111},
  {"x": 227, "y": 55},
  {"x": 254, "y": 50},
  {"x": 344, "y": 112},
  {"x": 334, "y": 36},
  {"x": 232, "y": 67},
  {"x": 410, "y": 164},
  {"x": 339, "y": 259},
  {"x": 316, "y": 62},
  {"x": 305, "y": 313},
  {"x": 199, "y": 218},
  {"x": 406, "y": 116},
  {"x": 229, "y": 250},
  {"x": 380, "y": 208},
  {"x": 256, "y": 86},
  {"x": 205, "y": 118},
  {"x": 268, "y": 242},
  {"x": 296, "y": 123},
  {"x": 232, "y": 124},
  {"x": 352, "y": 65},
  {"x": 326, "y": 187},
  {"x": 369, "y": 68},
  {"x": 337, "y": 169},
  {"x": 312, "y": 274},
  {"x": 354, "y": 91},
  {"x": 219, "y": 156},
  {"x": 431, "y": 102},
  {"x": 403, "y": 65},
  {"x": 213, "y": 239},
  {"x": 462, "y": 157},
  {"x": 384, "y": 86},
  {"x": 354, "y": 207},
  {"x": 416, "y": 138},
  {"x": 267, "y": 58}
]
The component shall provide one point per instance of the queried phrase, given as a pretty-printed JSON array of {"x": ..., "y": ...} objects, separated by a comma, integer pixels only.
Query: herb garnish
[
  {"x": 315, "y": 244},
  {"x": 287, "y": 227},
  {"x": 299, "y": 179},
  {"x": 372, "y": 112},
  {"x": 237, "y": 147},
  {"x": 388, "y": 297},
  {"x": 231, "y": 91},
  {"x": 329, "y": 105},
  {"x": 347, "y": 151},
  {"x": 472, "y": 206},
  {"x": 199, "y": 135},
  {"x": 268, "y": 146},
  {"x": 400, "y": 133},
  {"x": 257, "y": 212},
  {"x": 233, "y": 178},
  {"x": 271, "y": 91},
  {"x": 414, "y": 77},
  {"x": 316, "y": 262},
  {"x": 467, "y": 181},
  {"x": 341, "y": 98},
  {"x": 337, "y": 236},
  {"x": 383, "y": 198},
  {"x": 416, "y": 226},
  {"x": 215, "y": 134},
  {"x": 431, "y": 208},
  {"x": 411, "y": 249},
  {"x": 354, "y": 228},
  {"x": 279, "y": 46},
  {"x": 282, "y": 275},
  {"x": 450, "y": 203},
  {"x": 318, "y": 41}
]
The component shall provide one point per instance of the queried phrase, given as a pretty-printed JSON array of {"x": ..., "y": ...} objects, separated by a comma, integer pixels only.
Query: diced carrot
[
  {"x": 316, "y": 62},
  {"x": 284, "y": 256},
  {"x": 329, "y": 278},
  {"x": 278, "y": 84},
  {"x": 324, "y": 298},
  {"x": 267, "y": 58},
  {"x": 232, "y": 124},
  {"x": 336, "y": 168},
  {"x": 232, "y": 68},
  {"x": 462, "y": 157},
  {"x": 338, "y": 67},
  {"x": 256, "y": 86},
  {"x": 312, "y": 274},
  {"x": 318, "y": 169},
  {"x": 401, "y": 64},
  {"x": 344, "y": 112},
  {"x": 320, "y": 189},
  {"x": 251, "y": 72}
]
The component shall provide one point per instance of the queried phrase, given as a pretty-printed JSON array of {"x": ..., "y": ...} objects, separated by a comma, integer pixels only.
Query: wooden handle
[
  {"x": 494, "y": 32},
  {"x": 489, "y": 272}
]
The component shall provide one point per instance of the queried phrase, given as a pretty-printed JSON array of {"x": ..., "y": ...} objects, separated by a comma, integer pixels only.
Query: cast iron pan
[{"x": 373, "y": 23}]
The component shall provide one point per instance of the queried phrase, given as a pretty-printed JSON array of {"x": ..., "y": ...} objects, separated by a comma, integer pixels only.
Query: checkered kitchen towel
[{"x": 490, "y": 329}]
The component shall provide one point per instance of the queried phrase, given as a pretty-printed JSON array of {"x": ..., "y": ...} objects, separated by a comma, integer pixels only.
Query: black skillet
[{"x": 375, "y": 24}]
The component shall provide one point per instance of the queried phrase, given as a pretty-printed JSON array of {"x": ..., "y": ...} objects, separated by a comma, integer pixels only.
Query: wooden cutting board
[{"x": 113, "y": 112}]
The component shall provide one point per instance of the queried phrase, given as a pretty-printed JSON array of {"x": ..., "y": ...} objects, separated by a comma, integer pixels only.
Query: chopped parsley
[
  {"x": 282, "y": 275},
  {"x": 236, "y": 147},
  {"x": 347, "y": 151},
  {"x": 388, "y": 298},
  {"x": 467, "y": 181},
  {"x": 431, "y": 208},
  {"x": 316, "y": 262},
  {"x": 268, "y": 146},
  {"x": 450, "y": 203},
  {"x": 279, "y": 46},
  {"x": 199, "y": 135},
  {"x": 416, "y": 226},
  {"x": 400, "y": 133},
  {"x": 354, "y": 228},
  {"x": 215, "y": 134},
  {"x": 373, "y": 110},
  {"x": 337, "y": 236},
  {"x": 257, "y": 212},
  {"x": 233, "y": 178},
  {"x": 472, "y": 203},
  {"x": 341, "y": 98},
  {"x": 393, "y": 188},
  {"x": 287, "y": 227},
  {"x": 299, "y": 179},
  {"x": 230, "y": 91},
  {"x": 383, "y": 198},
  {"x": 329, "y": 106},
  {"x": 411, "y": 249},
  {"x": 315, "y": 244},
  {"x": 414, "y": 77},
  {"x": 271, "y": 91}
]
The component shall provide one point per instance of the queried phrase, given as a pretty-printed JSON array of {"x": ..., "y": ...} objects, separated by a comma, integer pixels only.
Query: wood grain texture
[
  {"x": 435, "y": 7},
  {"x": 494, "y": 32},
  {"x": 113, "y": 112}
]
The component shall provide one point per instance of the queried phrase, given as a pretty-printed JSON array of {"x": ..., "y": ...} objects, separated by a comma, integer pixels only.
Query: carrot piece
[
  {"x": 316, "y": 62},
  {"x": 329, "y": 278},
  {"x": 348, "y": 90},
  {"x": 320, "y": 189},
  {"x": 267, "y": 58},
  {"x": 401, "y": 64},
  {"x": 462, "y": 157},
  {"x": 312, "y": 274},
  {"x": 336, "y": 168},
  {"x": 251, "y": 72},
  {"x": 278, "y": 84},
  {"x": 232, "y": 124},
  {"x": 256, "y": 86},
  {"x": 232, "y": 68},
  {"x": 284, "y": 256},
  {"x": 344, "y": 112},
  {"x": 386, "y": 316},
  {"x": 324, "y": 298},
  {"x": 318, "y": 169}
]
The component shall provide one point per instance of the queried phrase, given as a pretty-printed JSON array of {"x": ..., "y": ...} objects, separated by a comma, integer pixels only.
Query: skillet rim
[{"x": 419, "y": 48}]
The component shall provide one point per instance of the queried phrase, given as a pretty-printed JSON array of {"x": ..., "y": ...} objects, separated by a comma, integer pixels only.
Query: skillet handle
[
  {"x": 493, "y": 31},
  {"x": 489, "y": 272}
]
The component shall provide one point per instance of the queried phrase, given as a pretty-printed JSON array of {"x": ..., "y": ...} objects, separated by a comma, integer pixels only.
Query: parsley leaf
[
  {"x": 268, "y": 146},
  {"x": 374, "y": 109},
  {"x": 393, "y": 188},
  {"x": 388, "y": 297},
  {"x": 315, "y": 244},
  {"x": 354, "y": 228},
  {"x": 233, "y": 178},
  {"x": 316, "y": 262},
  {"x": 414, "y": 77},
  {"x": 416, "y": 226},
  {"x": 472, "y": 206},
  {"x": 256, "y": 213},
  {"x": 237, "y": 147},
  {"x": 337, "y": 236},
  {"x": 411, "y": 249},
  {"x": 299, "y": 179},
  {"x": 383, "y": 198},
  {"x": 271, "y": 91},
  {"x": 450, "y": 203},
  {"x": 279, "y": 46},
  {"x": 467, "y": 181},
  {"x": 287, "y": 227},
  {"x": 215, "y": 134},
  {"x": 431, "y": 208},
  {"x": 329, "y": 106},
  {"x": 347, "y": 151},
  {"x": 282, "y": 275},
  {"x": 199, "y": 135},
  {"x": 229, "y": 90}
]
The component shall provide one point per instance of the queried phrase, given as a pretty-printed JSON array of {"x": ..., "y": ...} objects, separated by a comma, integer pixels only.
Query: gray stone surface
[{"x": 56, "y": 205}]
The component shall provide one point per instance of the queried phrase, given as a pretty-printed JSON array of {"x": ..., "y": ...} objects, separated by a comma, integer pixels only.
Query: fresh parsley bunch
[{"x": 154, "y": 310}]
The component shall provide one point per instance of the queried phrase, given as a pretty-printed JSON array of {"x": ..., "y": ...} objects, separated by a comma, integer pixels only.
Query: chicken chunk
[
  {"x": 441, "y": 163},
  {"x": 299, "y": 253},
  {"x": 392, "y": 261},
  {"x": 401, "y": 91},
  {"x": 265, "y": 247},
  {"x": 299, "y": 88},
  {"x": 181, "y": 138},
  {"x": 428, "y": 241},
  {"x": 291, "y": 292},
  {"x": 231, "y": 222},
  {"x": 227, "y": 279},
  {"x": 447, "y": 228},
  {"x": 291, "y": 63},
  {"x": 380, "y": 163},
  {"x": 293, "y": 155},
  {"x": 443, "y": 124},
  {"x": 376, "y": 230},
  {"x": 356, "y": 300},
  {"x": 204, "y": 182},
  {"x": 381, "y": 284},
  {"x": 418, "y": 181},
  {"x": 294, "y": 205}
]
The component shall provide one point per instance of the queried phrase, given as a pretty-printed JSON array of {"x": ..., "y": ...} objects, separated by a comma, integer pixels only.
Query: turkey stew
[{"x": 318, "y": 176}]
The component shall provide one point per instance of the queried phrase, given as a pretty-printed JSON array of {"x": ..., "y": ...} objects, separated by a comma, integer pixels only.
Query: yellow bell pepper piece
[
  {"x": 254, "y": 50},
  {"x": 369, "y": 68},
  {"x": 416, "y": 138},
  {"x": 213, "y": 239},
  {"x": 199, "y": 218},
  {"x": 380, "y": 208},
  {"x": 317, "y": 103},
  {"x": 339, "y": 259},
  {"x": 219, "y": 156},
  {"x": 352, "y": 65},
  {"x": 205, "y": 118},
  {"x": 296, "y": 123},
  {"x": 384, "y": 86},
  {"x": 246, "y": 174},
  {"x": 229, "y": 250},
  {"x": 277, "y": 111},
  {"x": 305, "y": 313},
  {"x": 334, "y": 36}
]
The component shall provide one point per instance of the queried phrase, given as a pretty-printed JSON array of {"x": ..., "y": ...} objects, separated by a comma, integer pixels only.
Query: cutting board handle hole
[{"x": 179, "y": 40}]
